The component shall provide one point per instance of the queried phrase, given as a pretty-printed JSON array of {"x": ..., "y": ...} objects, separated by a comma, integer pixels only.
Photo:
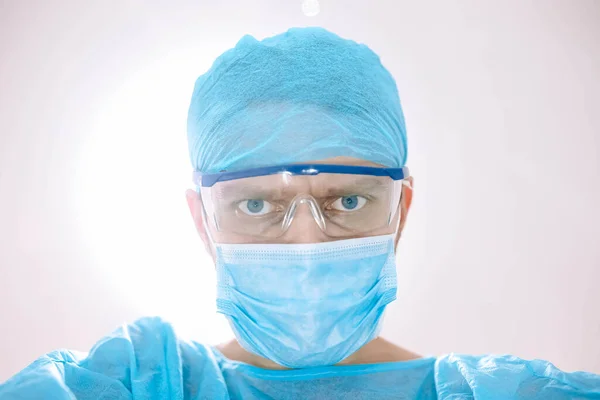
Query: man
[{"x": 298, "y": 144}]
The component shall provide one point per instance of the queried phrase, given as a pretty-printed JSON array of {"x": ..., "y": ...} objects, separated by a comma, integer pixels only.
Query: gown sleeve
[
  {"x": 495, "y": 377},
  {"x": 143, "y": 360}
]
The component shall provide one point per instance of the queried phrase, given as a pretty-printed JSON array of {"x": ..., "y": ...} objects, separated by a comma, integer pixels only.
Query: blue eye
[
  {"x": 255, "y": 207},
  {"x": 349, "y": 203}
]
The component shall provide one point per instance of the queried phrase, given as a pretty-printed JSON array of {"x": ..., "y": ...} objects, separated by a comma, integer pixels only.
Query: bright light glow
[
  {"x": 310, "y": 8},
  {"x": 134, "y": 170}
]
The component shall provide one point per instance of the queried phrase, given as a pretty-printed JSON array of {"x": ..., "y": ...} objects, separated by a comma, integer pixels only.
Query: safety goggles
[{"x": 344, "y": 200}]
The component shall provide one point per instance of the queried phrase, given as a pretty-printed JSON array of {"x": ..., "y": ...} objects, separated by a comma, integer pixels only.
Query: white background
[{"x": 501, "y": 252}]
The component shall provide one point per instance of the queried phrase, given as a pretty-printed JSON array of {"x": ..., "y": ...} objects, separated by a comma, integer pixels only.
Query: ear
[
  {"x": 196, "y": 209},
  {"x": 404, "y": 207}
]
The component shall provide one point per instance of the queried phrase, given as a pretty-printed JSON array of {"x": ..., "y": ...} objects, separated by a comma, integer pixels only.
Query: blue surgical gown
[{"x": 146, "y": 360}]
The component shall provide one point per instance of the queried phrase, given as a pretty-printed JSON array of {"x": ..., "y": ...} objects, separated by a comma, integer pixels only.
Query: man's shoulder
[
  {"x": 144, "y": 357},
  {"x": 511, "y": 376}
]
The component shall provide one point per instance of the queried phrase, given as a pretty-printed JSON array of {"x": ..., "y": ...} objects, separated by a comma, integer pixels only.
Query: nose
[{"x": 304, "y": 228}]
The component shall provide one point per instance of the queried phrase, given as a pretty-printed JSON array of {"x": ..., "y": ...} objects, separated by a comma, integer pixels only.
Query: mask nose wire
[{"x": 315, "y": 210}]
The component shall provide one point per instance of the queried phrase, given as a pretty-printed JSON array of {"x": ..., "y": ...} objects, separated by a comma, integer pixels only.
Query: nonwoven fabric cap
[{"x": 306, "y": 94}]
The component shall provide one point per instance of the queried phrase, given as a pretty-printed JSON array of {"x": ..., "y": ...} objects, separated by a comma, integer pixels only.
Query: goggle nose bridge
[{"x": 315, "y": 210}]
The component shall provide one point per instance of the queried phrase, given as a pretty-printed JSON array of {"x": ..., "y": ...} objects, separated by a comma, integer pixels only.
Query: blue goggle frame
[{"x": 208, "y": 180}]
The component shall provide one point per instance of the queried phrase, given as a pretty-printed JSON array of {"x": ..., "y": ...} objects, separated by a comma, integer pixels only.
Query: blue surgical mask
[{"x": 304, "y": 305}]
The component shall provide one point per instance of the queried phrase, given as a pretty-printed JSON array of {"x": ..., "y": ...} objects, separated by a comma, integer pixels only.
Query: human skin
[{"x": 377, "y": 350}]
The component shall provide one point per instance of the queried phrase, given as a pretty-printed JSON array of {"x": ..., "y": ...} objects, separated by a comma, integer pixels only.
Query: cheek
[{"x": 232, "y": 238}]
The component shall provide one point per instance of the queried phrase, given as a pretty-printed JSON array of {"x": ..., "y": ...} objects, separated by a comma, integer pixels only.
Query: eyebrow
[
  {"x": 364, "y": 183},
  {"x": 261, "y": 191},
  {"x": 248, "y": 190}
]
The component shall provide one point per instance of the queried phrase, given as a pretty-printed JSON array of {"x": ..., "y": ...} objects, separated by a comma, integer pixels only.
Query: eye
[
  {"x": 255, "y": 207},
  {"x": 349, "y": 203}
]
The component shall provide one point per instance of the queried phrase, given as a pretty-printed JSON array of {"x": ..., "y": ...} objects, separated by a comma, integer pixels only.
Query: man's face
[{"x": 303, "y": 229}]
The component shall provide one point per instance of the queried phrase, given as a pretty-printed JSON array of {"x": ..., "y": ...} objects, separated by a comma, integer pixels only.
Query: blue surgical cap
[{"x": 303, "y": 95}]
